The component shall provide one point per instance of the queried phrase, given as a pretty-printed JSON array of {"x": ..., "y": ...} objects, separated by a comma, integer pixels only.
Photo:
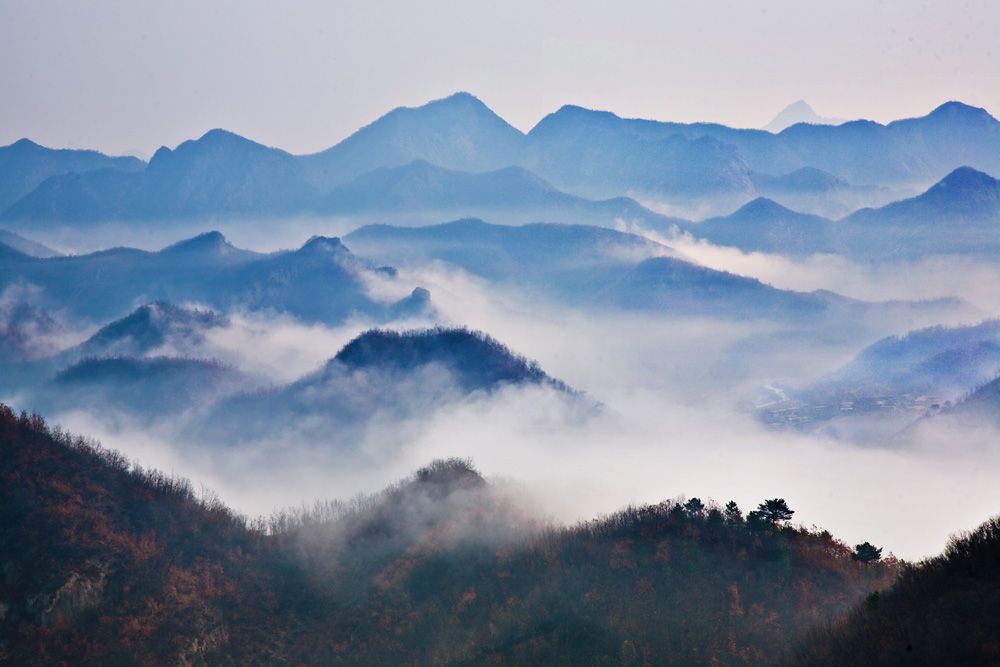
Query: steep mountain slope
[{"x": 24, "y": 165}]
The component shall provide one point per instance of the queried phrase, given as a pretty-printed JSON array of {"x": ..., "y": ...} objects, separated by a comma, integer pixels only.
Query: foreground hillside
[
  {"x": 103, "y": 563},
  {"x": 944, "y": 611}
]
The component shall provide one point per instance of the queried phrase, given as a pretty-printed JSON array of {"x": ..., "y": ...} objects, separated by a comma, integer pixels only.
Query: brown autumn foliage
[{"x": 104, "y": 563}]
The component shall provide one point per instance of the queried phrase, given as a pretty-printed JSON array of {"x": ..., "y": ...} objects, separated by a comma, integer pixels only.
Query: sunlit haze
[{"x": 132, "y": 76}]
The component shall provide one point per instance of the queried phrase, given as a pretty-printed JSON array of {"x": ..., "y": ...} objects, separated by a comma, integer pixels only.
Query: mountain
[
  {"x": 422, "y": 192},
  {"x": 598, "y": 154},
  {"x": 150, "y": 328},
  {"x": 811, "y": 190},
  {"x": 224, "y": 175},
  {"x": 475, "y": 361},
  {"x": 941, "y": 361},
  {"x": 147, "y": 389},
  {"x": 24, "y": 165},
  {"x": 903, "y": 154},
  {"x": 765, "y": 226},
  {"x": 74, "y": 199},
  {"x": 123, "y": 565},
  {"x": 943, "y": 610},
  {"x": 565, "y": 261},
  {"x": 458, "y": 132},
  {"x": 26, "y": 246},
  {"x": 958, "y": 215},
  {"x": 798, "y": 112},
  {"x": 221, "y": 175},
  {"x": 593, "y": 268},
  {"x": 379, "y": 378},
  {"x": 951, "y": 136},
  {"x": 320, "y": 282},
  {"x": 982, "y": 403},
  {"x": 703, "y": 168},
  {"x": 109, "y": 563},
  {"x": 37, "y": 345},
  {"x": 914, "y": 151},
  {"x": 27, "y": 332},
  {"x": 894, "y": 382}
]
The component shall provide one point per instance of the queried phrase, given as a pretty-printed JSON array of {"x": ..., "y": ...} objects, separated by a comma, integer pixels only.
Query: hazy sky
[{"x": 302, "y": 75}]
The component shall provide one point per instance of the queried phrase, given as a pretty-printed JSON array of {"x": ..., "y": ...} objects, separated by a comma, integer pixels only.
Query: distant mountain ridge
[
  {"x": 960, "y": 215},
  {"x": 590, "y": 267},
  {"x": 319, "y": 282},
  {"x": 585, "y": 153},
  {"x": 421, "y": 192},
  {"x": 24, "y": 165}
]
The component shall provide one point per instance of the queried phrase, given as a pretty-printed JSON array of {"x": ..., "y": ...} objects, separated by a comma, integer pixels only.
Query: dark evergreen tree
[
  {"x": 694, "y": 507},
  {"x": 775, "y": 510},
  {"x": 867, "y": 553}
]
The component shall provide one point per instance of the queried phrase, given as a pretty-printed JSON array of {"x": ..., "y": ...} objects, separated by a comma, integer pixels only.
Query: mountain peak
[
  {"x": 208, "y": 243},
  {"x": 459, "y": 98},
  {"x": 762, "y": 205},
  {"x": 24, "y": 144},
  {"x": 476, "y": 360},
  {"x": 218, "y": 134},
  {"x": 953, "y": 109},
  {"x": 317, "y": 244},
  {"x": 968, "y": 178},
  {"x": 461, "y": 103},
  {"x": 795, "y": 113}
]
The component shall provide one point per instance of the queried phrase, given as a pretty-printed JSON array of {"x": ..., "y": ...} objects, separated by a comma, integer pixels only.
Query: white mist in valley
[
  {"x": 934, "y": 277},
  {"x": 669, "y": 423}
]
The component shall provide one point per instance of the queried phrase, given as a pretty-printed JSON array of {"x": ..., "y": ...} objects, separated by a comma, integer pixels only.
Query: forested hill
[
  {"x": 104, "y": 563},
  {"x": 476, "y": 360},
  {"x": 944, "y": 611}
]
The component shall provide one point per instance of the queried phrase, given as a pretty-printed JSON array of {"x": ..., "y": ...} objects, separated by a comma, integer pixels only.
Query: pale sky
[{"x": 303, "y": 75}]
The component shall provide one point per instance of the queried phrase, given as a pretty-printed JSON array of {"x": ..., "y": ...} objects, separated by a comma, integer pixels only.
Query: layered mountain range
[
  {"x": 570, "y": 162},
  {"x": 959, "y": 215}
]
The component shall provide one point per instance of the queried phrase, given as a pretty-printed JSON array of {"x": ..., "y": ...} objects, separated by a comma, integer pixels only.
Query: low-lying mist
[
  {"x": 670, "y": 423},
  {"x": 933, "y": 277}
]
